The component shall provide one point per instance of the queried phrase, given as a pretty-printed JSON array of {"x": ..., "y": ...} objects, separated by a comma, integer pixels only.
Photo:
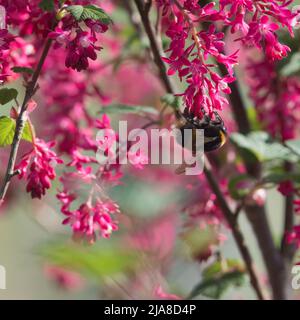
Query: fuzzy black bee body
[{"x": 215, "y": 133}]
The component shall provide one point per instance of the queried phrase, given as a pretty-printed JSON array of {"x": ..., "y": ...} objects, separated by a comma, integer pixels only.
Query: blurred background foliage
[{"x": 35, "y": 248}]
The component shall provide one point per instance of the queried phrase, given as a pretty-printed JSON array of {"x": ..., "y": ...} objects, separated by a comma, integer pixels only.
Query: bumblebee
[{"x": 215, "y": 133}]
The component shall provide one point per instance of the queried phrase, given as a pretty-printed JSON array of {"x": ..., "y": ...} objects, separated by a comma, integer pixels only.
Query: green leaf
[
  {"x": 7, "y": 131},
  {"x": 171, "y": 100},
  {"x": 125, "y": 109},
  {"x": 218, "y": 266},
  {"x": 27, "y": 133},
  {"x": 76, "y": 11},
  {"x": 276, "y": 178},
  {"x": 252, "y": 116},
  {"x": 47, "y": 5},
  {"x": 22, "y": 70},
  {"x": 258, "y": 145},
  {"x": 7, "y": 95},
  {"x": 95, "y": 13},
  {"x": 82, "y": 13},
  {"x": 217, "y": 279},
  {"x": 239, "y": 186},
  {"x": 294, "y": 146},
  {"x": 199, "y": 242},
  {"x": 292, "y": 67},
  {"x": 214, "y": 288},
  {"x": 98, "y": 261}
]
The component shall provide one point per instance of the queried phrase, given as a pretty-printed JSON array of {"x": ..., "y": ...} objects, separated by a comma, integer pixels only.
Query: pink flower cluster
[
  {"x": 259, "y": 20},
  {"x": 94, "y": 212},
  {"x": 87, "y": 220},
  {"x": 5, "y": 40},
  {"x": 80, "y": 44},
  {"x": 287, "y": 188},
  {"x": 277, "y": 99},
  {"x": 69, "y": 122},
  {"x": 193, "y": 54},
  {"x": 257, "y": 23},
  {"x": 28, "y": 17},
  {"x": 37, "y": 167},
  {"x": 294, "y": 236},
  {"x": 92, "y": 216},
  {"x": 88, "y": 211},
  {"x": 205, "y": 86},
  {"x": 66, "y": 279}
]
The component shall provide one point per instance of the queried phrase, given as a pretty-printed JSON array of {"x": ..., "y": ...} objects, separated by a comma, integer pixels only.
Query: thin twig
[
  {"x": 20, "y": 122},
  {"x": 237, "y": 234},
  {"x": 288, "y": 250},
  {"x": 158, "y": 22},
  {"x": 156, "y": 50},
  {"x": 228, "y": 214}
]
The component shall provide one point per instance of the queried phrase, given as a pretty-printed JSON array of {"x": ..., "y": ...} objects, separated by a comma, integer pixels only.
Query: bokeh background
[{"x": 33, "y": 241}]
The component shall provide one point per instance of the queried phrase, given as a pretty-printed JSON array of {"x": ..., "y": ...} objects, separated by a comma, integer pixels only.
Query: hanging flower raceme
[
  {"x": 287, "y": 188},
  {"x": 88, "y": 221},
  {"x": 65, "y": 279},
  {"x": 19, "y": 11},
  {"x": 205, "y": 86},
  {"x": 80, "y": 44},
  {"x": 37, "y": 167},
  {"x": 276, "y": 98},
  {"x": 5, "y": 40},
  {"x": 92, "y": 217},
  {"x": 80, "y": 49},
  {"x": 294, "y": 236},
  {"x": 88, "y": 210},
  {"x": 257, "y": 20},
  {"x": 204, "y": 209}
]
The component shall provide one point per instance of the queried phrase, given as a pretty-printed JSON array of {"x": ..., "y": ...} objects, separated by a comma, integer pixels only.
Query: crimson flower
[{"x": 37, "y": 167}]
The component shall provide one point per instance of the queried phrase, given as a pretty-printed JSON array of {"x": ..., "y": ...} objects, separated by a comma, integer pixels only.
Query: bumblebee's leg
[
  {"x": 218, "y": 120},
  {"x": 186, "y": 112},
  {"x": 205, "y": 121}
]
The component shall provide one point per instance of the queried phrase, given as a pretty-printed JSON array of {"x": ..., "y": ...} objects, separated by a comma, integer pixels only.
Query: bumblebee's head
[
  {"x": 215, "y": 136},
  {"x": 223, "y": 136}
]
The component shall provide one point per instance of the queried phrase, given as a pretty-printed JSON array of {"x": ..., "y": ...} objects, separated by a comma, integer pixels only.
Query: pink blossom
[
  {"x": 80, "y": 44},
  {"x": 259, "y": 197},
  {"x": 137, "y": 159},
  {"x": 158, "y": 238},
  {"x": 160, "y": 293},
  {"x": 277, "y": 101},
  {"x": 38, "y": 168},
  {"x": 294, "y": 236},
  {"x": 64, "y": 278},
  {"x": 88, "y": 220},
  {"x": 286, "y": 188},
  {"x": 258, "y": 21},
  {"x": 80, "y": 50},
  {"x": 297, "y": 206}
]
